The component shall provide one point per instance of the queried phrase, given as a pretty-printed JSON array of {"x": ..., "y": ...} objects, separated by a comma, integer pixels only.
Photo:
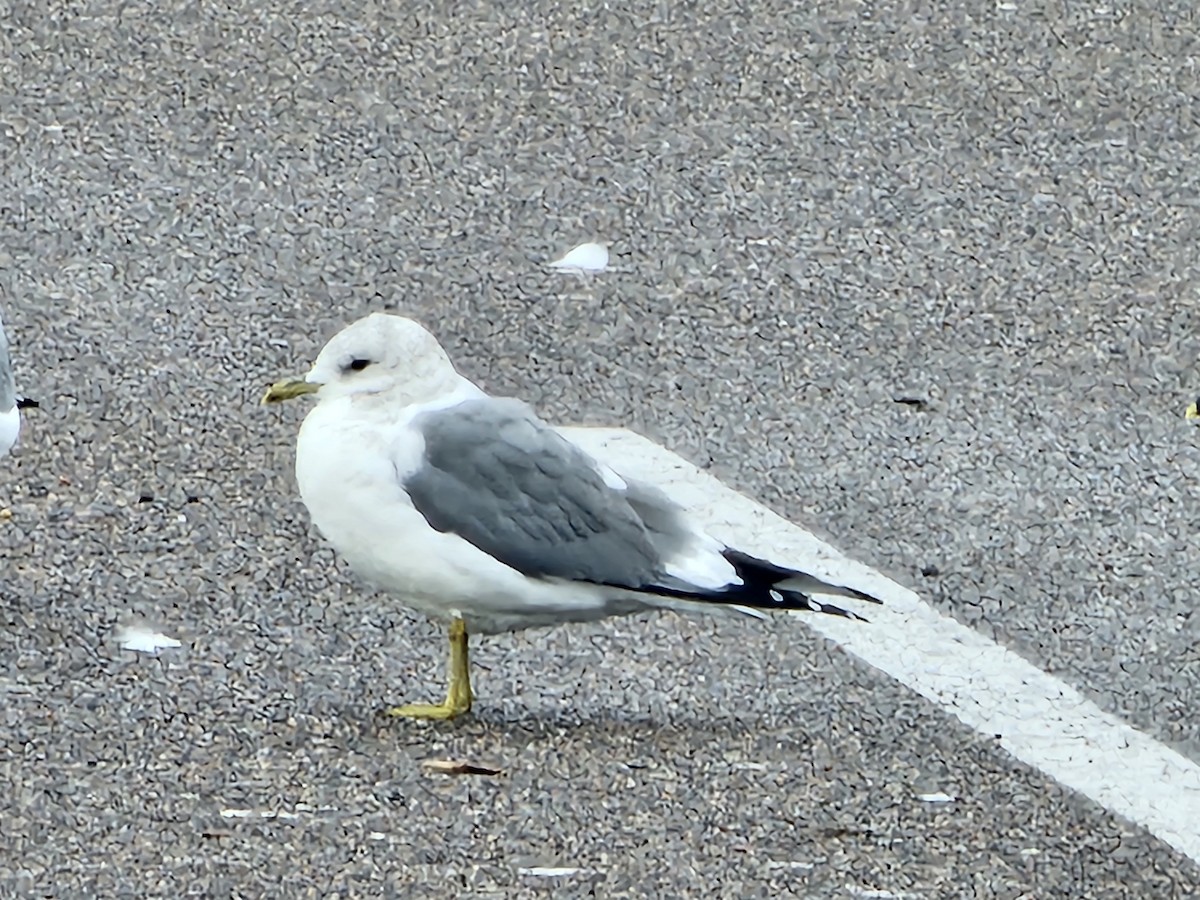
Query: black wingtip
[
  {"x": 859, "y": 595},
  {"x": 762, "y": 588},
  {"x": 761, "y": 573},
  {"x": 831, "y": 610},
  {"x": 795, "y": 600}
]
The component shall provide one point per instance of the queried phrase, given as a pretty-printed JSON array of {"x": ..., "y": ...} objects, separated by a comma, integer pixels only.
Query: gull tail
[
  {"x": 768, "y": 586},
  {"x": 760, "y": 572},
  {"x": 765, "y": 586}
]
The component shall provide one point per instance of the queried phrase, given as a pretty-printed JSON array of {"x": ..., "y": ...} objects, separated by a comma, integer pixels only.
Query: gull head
[{"x": 376, "y": 355}]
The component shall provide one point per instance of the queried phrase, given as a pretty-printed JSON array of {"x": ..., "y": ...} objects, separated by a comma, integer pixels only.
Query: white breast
[
  {"x": 351, "y": 467},
  {"x": 10, "y": 427},
  {"x": 351, "y": 476}
]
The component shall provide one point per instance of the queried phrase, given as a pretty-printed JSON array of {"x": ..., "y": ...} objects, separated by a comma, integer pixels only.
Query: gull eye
[{"x": 357, "y": 365}]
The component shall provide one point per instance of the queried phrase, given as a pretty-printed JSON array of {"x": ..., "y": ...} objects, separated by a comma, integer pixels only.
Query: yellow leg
[{"x": 458, "y": 693}]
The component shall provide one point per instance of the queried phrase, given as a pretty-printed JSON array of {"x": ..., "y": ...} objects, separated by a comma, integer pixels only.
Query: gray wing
[
  {"x": 502, "y": 479},
  {"x": 8, "y": 389}
]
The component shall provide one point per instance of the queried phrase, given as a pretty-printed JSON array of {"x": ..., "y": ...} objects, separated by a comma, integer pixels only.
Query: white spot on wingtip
[{"x": 586, "y": 258}]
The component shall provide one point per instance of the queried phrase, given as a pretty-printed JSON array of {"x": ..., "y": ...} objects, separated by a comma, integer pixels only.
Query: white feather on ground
[{"x": 588, "y": 258}]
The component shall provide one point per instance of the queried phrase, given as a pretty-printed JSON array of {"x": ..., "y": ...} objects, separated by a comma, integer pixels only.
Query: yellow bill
[{"x": 287, "y": 389}]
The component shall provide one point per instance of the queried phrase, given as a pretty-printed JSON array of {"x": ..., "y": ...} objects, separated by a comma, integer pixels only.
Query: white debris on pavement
[
  {"x": 585, "y": 259},
  {"x": 141, "y": 639},
  {"x": 936, "y": 797},
  {"x": 553, "y": 871}
]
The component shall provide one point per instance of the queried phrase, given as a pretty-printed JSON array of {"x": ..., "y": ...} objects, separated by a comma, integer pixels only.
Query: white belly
[
  {"x": 352, "y": 486},
  {"x": 10, "y": 428}
]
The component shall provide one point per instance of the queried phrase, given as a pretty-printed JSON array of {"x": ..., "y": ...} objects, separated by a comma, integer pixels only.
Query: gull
[
  {"x": 472, "y": 510},
  {"x": 10, "y": 415}
]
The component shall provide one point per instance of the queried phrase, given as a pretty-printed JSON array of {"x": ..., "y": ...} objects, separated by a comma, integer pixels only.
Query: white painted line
[{"x": 1042, "y": 721}]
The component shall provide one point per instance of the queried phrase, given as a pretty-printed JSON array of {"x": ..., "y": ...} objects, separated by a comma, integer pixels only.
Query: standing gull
[
  {"x": 10, "y": 416},
  {"x": 471, "y": 509}
]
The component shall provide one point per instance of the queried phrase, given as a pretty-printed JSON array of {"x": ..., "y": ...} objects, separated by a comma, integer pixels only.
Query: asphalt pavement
[{"x": 988, "y": 210}]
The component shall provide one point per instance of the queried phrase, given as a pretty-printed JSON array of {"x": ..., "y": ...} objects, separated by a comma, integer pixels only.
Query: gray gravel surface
[{"x": 991, "y": 207}]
